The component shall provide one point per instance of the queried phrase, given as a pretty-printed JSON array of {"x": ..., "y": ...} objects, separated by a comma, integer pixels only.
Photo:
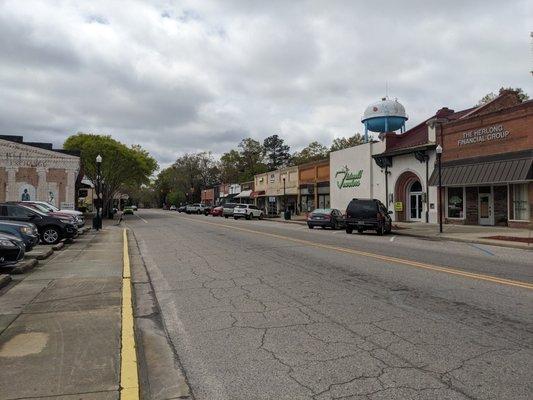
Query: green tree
[
  {"x": 344, "y": 143},
  {"x": 175, "y": 197},
  {"x": 121, "y": 166},
  {"x": 491, "y": 96},
  {"x": 252, "y": 154},
  {"x": 276, "y": 152},
  {"x": 314, "y": 151},
  {"x": 231, "y": 166}
]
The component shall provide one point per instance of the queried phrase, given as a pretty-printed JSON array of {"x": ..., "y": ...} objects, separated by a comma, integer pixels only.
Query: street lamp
[
  {"x": 439, "y": 156},
  {"x": 97, "y": 221},
  {"x": 285, "y": 211}
]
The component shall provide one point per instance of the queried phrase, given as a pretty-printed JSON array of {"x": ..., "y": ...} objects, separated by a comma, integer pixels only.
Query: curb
[
  {"x": 280, "y": 221},
  {"x": 161, "y": 372},
  {"x": 40, "y": 255},
  {"x": 452, "y": 239},
  {"x": 4, "y": 280},
  {"x": 24, "y": 267},
  {"x": 58, "y": 246}
]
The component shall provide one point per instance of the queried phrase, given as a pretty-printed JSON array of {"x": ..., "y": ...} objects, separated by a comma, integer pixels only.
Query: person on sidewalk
[{"x": 120, "y": 214}]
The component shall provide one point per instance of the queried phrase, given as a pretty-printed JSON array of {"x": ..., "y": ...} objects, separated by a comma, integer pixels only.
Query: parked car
[
  {"x": 51, "y": 228},
  {"x": 134, "y": 207},
  {"x": 227, "y": 209},
  {"x": 207, "y": 210},
  {"x": 52, "y": 208},
  {"x": 128, "y": 210},
  {"x": 172, "y": 208},
  {"x": 182, "y": 208},
  {"x": 196, "y": 208},
  {"x": 217, "y": 211},
  {"x": 11, "y": 249},
  {"x": 248, "y": 211},
  {"x": 325, "y": 218},
  {"x": 368, "y": 214},
  {"x": 77, "y": 220},
  {"x": 25, "y": 231}
]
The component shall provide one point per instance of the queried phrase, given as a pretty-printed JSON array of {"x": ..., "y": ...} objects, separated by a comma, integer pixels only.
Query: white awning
[{"x": 244, "y": 194}]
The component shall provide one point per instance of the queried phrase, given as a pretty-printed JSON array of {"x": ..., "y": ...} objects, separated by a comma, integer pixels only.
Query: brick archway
[{"x": 403, "y": 183}]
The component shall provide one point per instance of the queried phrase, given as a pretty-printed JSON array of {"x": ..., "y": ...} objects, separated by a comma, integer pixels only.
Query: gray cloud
[{"x": 201, "y": 75}]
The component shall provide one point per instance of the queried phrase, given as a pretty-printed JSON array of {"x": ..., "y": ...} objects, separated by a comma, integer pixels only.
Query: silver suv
[
  {"x": 196, "y": 208},
  {"x": 247, "y": 211},
  {"x": 227, "y": 209}
]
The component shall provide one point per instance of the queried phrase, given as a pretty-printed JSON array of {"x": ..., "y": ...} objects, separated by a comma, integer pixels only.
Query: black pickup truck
[{"x": 368, "y": 214}]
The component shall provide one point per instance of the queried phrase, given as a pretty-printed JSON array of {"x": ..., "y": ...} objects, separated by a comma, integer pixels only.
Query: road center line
[
  {"x": 411, "y": 263},
  {"x": 129, "y": 380},
  {"x": 141, "y": 218}
]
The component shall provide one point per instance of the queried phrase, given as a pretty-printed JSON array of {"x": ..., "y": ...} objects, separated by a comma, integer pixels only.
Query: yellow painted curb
[
  {"x": 129, "y": 379},
  {"x": 395, "y": 260}
]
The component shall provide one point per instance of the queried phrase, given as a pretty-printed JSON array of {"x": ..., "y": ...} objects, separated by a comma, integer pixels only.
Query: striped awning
[{"x": 491, "y": 172}]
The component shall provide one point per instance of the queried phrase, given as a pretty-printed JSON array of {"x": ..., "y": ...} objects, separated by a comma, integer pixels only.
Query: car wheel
[
  {"x": 50, "y": 235},
  {"x": 380, "y": 230},
  {"x": 360, "y": 231},
  {"x": 235, "y": 217},
  {"x": 261, "y": 216},
  {"x": 310, "y": 226},
  {"x": 248, "y": 216},
  {"x": 349, "y": 230}
]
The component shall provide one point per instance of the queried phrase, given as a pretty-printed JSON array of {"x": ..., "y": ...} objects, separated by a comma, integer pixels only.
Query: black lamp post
[
  {"x": 97, "y": 221},
  {"x": 439, "y": 162}
]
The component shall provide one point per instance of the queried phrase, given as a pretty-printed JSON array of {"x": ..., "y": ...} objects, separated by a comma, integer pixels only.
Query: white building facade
[
  {"x": 395, "y": 171},
  {"x": 32, "y": 171}
]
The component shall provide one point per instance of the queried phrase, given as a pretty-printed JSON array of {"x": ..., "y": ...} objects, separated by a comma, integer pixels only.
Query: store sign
[
  {"x": 398, "y": 206},
  {"x": 272, "y": 199},
  {"x": 494, "y": 132},
  {"x": 347, "y": 179}
]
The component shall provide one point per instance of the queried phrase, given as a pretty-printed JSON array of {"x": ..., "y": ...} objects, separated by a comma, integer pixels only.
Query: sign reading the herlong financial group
[
  {"x": 494, "y": 132},
  {"x": 347, "y": 179}
]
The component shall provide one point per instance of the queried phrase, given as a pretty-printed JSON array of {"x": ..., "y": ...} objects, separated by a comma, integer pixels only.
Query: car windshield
[
  {"x": 41, "y": 208},
  {"x": 35, "y": 211},
  {"x": 322, "y": 211},
  {"x": 241, "y": 205},
  {"x": 230, "y": 205},
  {"x": 365, "y": 206},
  {"x": 48, "y": 206}
]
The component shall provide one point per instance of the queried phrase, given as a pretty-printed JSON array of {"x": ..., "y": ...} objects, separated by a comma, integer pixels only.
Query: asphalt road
[{"x": 263, "y": 310}]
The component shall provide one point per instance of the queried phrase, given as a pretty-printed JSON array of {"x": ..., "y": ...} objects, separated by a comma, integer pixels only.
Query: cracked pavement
[{"x": 259, "y": 317}]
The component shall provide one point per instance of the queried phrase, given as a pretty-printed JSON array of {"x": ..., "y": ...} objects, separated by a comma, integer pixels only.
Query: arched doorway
[
  {"x": 414, "y": 203},
  {"x": 408, "y": 191}
]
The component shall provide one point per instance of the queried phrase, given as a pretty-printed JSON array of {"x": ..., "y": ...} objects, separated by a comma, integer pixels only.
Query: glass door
[
  {"x": 485, "y": 209},
  {"x": 415, "y": 206}
]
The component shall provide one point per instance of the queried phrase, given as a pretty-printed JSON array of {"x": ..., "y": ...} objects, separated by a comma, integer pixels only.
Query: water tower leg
[
  {"x": 386, "y": 124},
  {"x": 366, "y": 133}
]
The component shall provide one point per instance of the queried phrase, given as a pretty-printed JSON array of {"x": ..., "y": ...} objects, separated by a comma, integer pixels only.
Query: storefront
[
  {"x": 313, "y": 188},
  {"x": 279, "y": 190},
  {"x": 487, "y": 165}
]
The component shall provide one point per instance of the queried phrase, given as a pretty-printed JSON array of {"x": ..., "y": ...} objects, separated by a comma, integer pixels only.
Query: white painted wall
[
  {"x": 355, "y": 158},
  {"x": 373, "y": 179}
]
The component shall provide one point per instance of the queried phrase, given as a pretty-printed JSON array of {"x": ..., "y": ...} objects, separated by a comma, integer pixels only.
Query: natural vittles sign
[{"x": 347, "y": 179}]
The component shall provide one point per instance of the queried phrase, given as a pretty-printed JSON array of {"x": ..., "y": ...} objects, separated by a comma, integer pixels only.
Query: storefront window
[
  {"x": 455, "y": 202},
  {"x": 520, "y": 202}
]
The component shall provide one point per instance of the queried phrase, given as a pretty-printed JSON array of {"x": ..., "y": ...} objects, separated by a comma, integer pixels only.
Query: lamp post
[
  {"x": 97, "y": 222},
  {"x": 439, "y": 162}
]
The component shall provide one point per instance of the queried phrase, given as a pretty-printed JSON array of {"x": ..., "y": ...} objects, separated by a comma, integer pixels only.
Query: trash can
[{"x": 287, "y": 214}]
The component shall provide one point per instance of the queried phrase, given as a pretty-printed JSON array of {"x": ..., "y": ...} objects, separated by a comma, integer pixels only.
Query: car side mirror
[{"x": 389, "y": 212}]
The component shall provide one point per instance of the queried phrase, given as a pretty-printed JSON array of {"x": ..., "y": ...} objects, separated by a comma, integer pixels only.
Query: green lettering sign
[{"x": 347, "y": 179}]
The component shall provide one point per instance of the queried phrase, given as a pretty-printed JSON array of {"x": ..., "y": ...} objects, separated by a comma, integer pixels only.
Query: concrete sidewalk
[
  {"x": 60, "y": 325},
  {"x": 491, "y": 235}
]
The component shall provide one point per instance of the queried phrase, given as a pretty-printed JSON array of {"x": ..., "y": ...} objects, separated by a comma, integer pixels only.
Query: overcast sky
[{"x": 183, "y": 76}]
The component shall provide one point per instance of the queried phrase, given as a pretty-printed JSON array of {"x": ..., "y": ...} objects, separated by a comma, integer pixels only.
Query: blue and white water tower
[{"x": 384, "y": 116}]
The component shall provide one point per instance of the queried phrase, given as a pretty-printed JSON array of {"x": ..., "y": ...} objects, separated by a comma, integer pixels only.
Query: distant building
[{"x": 37, "y": 171}]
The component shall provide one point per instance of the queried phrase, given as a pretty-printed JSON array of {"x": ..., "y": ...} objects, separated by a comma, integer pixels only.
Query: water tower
[{"x": 384, "y": 116}]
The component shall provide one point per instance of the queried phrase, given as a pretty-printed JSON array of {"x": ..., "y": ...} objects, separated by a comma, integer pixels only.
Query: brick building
[
  {"x": 313, "y": 186},
  {"x": 36, "y": 171},
  {"x": 487, "y": 164}
]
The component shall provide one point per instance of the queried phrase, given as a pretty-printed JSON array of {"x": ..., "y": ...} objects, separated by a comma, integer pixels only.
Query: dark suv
[
  {"x": 368, "y": 214},
  {"x": 51, "y": 229}
]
